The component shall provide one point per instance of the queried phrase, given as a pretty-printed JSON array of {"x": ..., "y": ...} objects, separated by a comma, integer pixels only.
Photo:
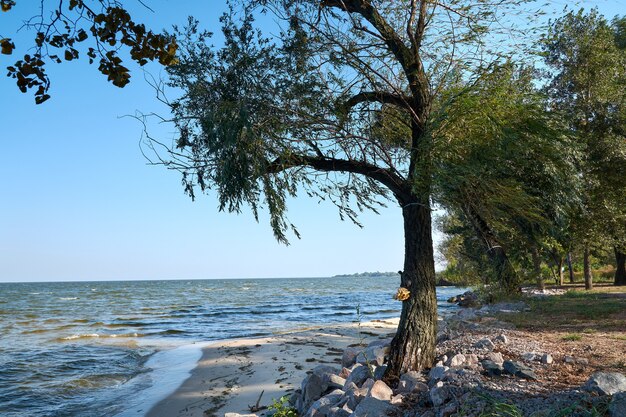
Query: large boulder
[
  {"x": 321, "y": 407},
  {"x": 358, "y": 375},
  {"x": 492, "y": 368},
  {"x": 519, "y": 370},
  {"x": 617, "y": 407},
  {"x": 372, "y": 407},
  {"x": 380, "y": 391},
  {"x": 495, "y": 357},
  {"x": 606, "y": 383},
  {"x": 349, "y": 356},
  {"x": 411, "y": 382}
]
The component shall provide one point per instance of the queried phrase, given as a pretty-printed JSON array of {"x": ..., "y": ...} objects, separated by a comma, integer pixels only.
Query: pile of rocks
[
  {"x": 470, "y": 375},
  {"x": 355, "y": 390}
]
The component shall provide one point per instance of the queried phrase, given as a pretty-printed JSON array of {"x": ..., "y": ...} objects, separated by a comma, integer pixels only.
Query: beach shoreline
[{"x": 231, "y": 374}]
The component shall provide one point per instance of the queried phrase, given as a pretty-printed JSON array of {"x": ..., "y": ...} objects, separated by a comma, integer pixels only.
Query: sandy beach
[{"x": 231, "y": 375}]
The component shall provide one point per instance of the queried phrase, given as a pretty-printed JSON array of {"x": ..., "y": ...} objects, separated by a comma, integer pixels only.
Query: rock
[
  {"x": 372, "y": 407},
  {"x": 484, "y": 343},
  {"x": 617, "y": 407},
  {"x": 457, "y": 360},
  {"x": 335, "y": 381},
  {"x": 453, "y": 300},
  {"x": 495, "y": 357},
  {"x": 547, "y": 359},
  {"x": 354, "y": 396},
  {"x": 380, "y": 372},
  {"x": 519, "y": 370},
  {"x": 411, "y": 382},
  {"x": 501, "y": 339},
  {"x": 369, "y": 383},
  {"x": 438, "y": 372},
  {"x": 349, "y": 356},
  {"x": 373, "y": 354},
  {"x": 345, "y": 373},
  {"x": 380, "y": 391},
  {"x": 338, "y": 412},
  {"x": 239, "y": 415},
  {"x": 322, "y": 406},
  {"x": 439, "y": 394},
  {"x": 358, "y": 375},
  {"x": 569, "y": 359},
  {"x": 312, "y": 389},
  {"x": 449, "y": 409},
  {"x": 491, "y": 368},
  {"x": 606, "y": 383},
  {"x": 529, "y": 356},
  {"x": 397, "y": 399},
  {"x": 468, "y": 299},
  {"x": 582, "y": 361},
  {"x": 471, "y": 359}
]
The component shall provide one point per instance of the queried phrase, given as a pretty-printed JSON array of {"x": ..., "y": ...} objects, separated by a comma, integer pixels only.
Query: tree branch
[
  {"x": 390, "y": 180},
  {"x": 369, "y": 13},
  {"x": 382, "y": 97}
]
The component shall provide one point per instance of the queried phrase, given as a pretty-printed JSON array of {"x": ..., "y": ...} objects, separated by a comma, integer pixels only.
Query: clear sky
[{"x": 79, "y": 202}]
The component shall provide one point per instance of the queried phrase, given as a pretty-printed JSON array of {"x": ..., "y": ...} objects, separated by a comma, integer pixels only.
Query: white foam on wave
[
  {"x": 168, "y": 370},
  {"x": 99, "y": 336},
  {"x": 68, "y": 298}
]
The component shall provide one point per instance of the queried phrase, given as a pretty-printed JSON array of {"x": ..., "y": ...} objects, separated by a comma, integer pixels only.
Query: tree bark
[
  {"x": 569, "y": 267},
  {"x": 587, "y": 269},
  {"x": 620, "y": 270},
  {"x": 561, "y": 274},
  {"x": 537, "y": 267},
  {"x": 506, "y": 274},
  {"x": 413, "y": 347}
]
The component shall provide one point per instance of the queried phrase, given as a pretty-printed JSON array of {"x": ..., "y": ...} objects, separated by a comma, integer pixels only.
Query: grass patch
[
  {"x": 572, "y": 337},
  {"x": 574, "y": 312}
]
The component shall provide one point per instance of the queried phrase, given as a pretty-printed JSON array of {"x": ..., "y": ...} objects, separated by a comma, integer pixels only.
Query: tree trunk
[
  {"x": 413, "y": 347},
  {"x": 561, "y": 274},
  {"x": 587, "y": 270},
  {"x": 506, "y": 274},
  {"x": 620, "y": 264},
  {"x": 537, "y": 267},
  {"x": 569, "y": 267}
]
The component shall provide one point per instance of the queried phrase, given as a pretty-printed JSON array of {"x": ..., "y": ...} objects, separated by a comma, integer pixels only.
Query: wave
[
  {"x": 99, "y": 336},
  {"x": 68, "y": 298}
]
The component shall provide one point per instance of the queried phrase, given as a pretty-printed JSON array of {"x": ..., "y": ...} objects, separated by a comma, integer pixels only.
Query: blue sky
[{"x": 79, "y": 202}]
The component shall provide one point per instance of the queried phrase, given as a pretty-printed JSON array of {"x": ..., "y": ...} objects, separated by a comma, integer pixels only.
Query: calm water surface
[{"x": 76, "y": 349}]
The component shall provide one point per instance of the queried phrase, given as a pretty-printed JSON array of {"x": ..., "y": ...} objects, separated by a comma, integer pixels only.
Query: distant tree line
[{"x": 542, "y": 206}]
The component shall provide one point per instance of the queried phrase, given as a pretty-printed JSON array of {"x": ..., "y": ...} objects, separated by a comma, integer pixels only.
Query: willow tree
[
  {"x": 504, "y": 170},
  {"x": 586, "y": 56},
  {"x": 335, "y": 102}
]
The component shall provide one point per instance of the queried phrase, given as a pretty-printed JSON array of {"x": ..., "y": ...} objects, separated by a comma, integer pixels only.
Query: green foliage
[
  {"x": 588, "y": 73},
  {"x": 58, "y": 38},
  {"x": 495, "y": 408},
  {"x": 281, "y": 408},
  {"x": 574, "y": 337}
]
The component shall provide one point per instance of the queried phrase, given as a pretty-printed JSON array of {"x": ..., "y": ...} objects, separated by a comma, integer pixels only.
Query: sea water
[{"x": 78, "y": 348}]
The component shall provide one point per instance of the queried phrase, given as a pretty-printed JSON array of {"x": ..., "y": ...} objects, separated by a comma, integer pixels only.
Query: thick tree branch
[
  {"x": 382, "y": 97},
  {"x": 369, "y": 13},
  {"x": 387, "y": 178}
]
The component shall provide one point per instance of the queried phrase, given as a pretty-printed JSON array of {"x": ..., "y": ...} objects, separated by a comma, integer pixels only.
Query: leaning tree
[{"x": 335, "y": 101}]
